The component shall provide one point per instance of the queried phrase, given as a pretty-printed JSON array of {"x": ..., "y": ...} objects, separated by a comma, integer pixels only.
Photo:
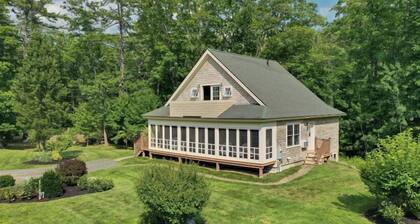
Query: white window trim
[
  {"x": 293, "y": 131},
  {"x": 211, "y": 91},
  {"x": 191, "y": 93},
  {"x": 224, "y": 91}
]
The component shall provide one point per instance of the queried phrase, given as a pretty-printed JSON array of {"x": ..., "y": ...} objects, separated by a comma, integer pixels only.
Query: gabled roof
[{"x": 281, "y": 94}]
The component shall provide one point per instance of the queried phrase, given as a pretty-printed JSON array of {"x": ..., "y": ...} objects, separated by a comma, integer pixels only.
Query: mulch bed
[
  {"x": 69, "y": 191},
  {"x": 373, "y": 216}
]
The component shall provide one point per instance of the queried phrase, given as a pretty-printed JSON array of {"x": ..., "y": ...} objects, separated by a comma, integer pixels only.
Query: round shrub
[
  {"x": 71, "y": 170},
  {"x": 172, "y": 195},
  {"x": 51, "y": 184},
  {"x": 391, "y": 173},
  {"x": 56, "y": 156},
  {"x": 7, "y": 181},
  {"x": 95, "y": 184}
]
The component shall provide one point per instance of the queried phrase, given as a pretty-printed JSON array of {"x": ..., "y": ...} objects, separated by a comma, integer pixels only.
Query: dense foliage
[
  {"x": 172, "y": 195},
  {"x": 6, "y": 181},
  {"x": 95, "y": 184},
  {"x": 51, "y": 184},
  {"x": 392, "y": 173},
  {"x": 107, "y": 66},
  {"x": 71, "y": 170}
]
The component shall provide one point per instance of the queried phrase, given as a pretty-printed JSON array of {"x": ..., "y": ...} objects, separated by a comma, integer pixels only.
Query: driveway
[{"x": 24, "y": 174}]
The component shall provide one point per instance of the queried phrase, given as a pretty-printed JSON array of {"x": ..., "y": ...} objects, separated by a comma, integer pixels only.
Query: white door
[{"x": 311, "y": 139}]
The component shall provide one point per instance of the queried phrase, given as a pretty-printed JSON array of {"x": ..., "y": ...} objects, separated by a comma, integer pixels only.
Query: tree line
[{"x": 99, "y": 65}]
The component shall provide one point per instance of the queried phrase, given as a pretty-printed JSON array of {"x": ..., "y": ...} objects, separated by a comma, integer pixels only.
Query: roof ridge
[{"x": 241, "y": 55}]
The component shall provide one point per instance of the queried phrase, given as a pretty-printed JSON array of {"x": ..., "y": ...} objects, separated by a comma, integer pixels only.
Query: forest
[{"x": 96, "y": 68}]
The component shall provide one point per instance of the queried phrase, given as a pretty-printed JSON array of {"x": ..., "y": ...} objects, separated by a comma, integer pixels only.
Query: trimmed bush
[
  {"x": 95, "y": 184},
  {"x": 391, "y": 173},
  {"x": 391, "y": 212},
  {"x": 7, "y": 181},
  {"x": 12, "y": 193},
  {"x": 51, "y": 184},
  {"x": 31, "y": 187},
  {"x": 71, "y": 170},
  {"x": 172, "y": 195}
]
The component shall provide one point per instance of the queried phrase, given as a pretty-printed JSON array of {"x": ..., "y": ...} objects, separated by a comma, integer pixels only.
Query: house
[{"x": 244, "y": 111}]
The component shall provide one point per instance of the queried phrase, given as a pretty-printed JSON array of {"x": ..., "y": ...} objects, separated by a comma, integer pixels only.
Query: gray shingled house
[{"x": 243, "y": 111}]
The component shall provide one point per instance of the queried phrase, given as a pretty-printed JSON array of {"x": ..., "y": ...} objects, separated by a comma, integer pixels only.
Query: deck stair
[{"x": 321, "y": 154}]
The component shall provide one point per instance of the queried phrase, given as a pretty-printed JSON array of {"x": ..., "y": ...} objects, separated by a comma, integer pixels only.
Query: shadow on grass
[
  {"x": 358, "y": 203},
  {"x": 151, "y": 218}
]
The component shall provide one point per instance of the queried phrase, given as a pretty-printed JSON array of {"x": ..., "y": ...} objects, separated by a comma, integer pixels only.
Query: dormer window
[
  {"x": 194, "y": 92},
  {"x": 211, "y": 92},
  {"x": 227, "y": 91}
]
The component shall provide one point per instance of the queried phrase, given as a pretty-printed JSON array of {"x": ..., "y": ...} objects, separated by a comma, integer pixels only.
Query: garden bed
[{"x": 69, "y": 191}]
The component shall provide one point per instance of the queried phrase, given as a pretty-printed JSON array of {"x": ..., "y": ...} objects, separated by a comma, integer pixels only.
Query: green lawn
[
  {"x": 15, "y": 159},
  {"x": 331, "y": 193}
]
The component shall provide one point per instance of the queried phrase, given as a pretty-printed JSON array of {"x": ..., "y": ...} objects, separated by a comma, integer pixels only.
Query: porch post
[
  {"x": 149, "y": 144},
  {"x": 262, "y": 144},
  {"x": 216, "y": 143},
  {"x": 170, "y": 137},
  {"x": 178, "y": 136}
]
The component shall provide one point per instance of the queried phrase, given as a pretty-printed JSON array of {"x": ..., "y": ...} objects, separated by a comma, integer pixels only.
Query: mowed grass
[
  {"x": 332, "y": 193},
  {"x": 15, "y": 159}
]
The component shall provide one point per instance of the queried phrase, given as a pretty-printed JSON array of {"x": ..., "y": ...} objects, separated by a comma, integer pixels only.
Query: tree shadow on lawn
[
  {"x": 151, "y": 218},
  {"x": 358, "y": 203}
]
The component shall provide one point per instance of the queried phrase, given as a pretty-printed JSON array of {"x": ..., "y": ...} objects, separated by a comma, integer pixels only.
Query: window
[
  {"x": 153, "y": 135},
  {"x": 268, "y": 143},
  {"x": 254, "y": 149},
  {"x": 183, "y": 139},
  {"x": 194, "y": 93},
  {"x": 160, "y": 135},
  {"x": 201, "y": 140},
  {"x": 167, "y": 138},
  {"x": 174, "y": 140},
  {"x": 192, "y": 139},
  {"x": 227, "y": 91},
  {"x": 243, "y": 144},
  {"x": 211, "y": 141},
  {"x": 215, "y": 93},
  {"x": 232, "y": 143},
  {"x": 211, "y": 92},
  {"x": 293, "y": 134},
  {"x": 222, "y": 142}
]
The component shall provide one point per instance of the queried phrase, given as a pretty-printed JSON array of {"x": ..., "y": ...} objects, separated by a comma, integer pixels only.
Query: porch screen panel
[
  {"x": 160, "y": 137},
  {"x": 254, "y": 149},
  {"x": 201, "y": 140},
  {"x": 268, "y": 143},
  {"x": 232, "y": 143},
  {"x": 167, "y": 138},
  {"x": 191, "y": 146},
  {"x": 174, "y": 140},
  {"x": 222, "y": 142},
  {"x": 183, "y": 139},
  {"x": 153, "y": 135},
  {"x": 211, "y": 140},
  {"x": 243, "y": 144}
]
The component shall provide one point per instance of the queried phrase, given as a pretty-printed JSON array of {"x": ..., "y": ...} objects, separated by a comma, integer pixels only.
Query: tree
[{"x": 40, "y": 89}]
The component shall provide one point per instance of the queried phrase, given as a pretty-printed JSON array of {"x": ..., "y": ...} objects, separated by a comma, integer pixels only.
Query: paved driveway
[{"x": 23, "y": 174}]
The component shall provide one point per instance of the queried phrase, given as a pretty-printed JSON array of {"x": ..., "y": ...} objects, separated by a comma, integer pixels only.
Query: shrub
[
  {"x": 71, "y": 170},
  {"x": 171, "y": 195},
  {"x": 55, "y": 155},
  {"x": 31, "y": 187},
  {"x": 44, "y": 157},
  {"x": 51, "y": 184},
  {"x": 7, "y": 181},
  {"x": 95, "y": 184},
  {"x": 391, "y": 173},
  {"x": 391, "y": 212},
  {"x": 59, "y": 142},
  {"x": 12, "y": 193}
]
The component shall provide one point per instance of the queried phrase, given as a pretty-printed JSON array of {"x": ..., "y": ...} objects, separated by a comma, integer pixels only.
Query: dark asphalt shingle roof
[{"x": 282, "y": 94}]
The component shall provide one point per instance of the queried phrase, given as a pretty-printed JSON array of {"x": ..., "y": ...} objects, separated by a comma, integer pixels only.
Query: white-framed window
[
  {"x": 174, "y": 140},
  {"x": 222, "y": 142},
  {"x": 243, "y": 144},
  {"x": 211, "y": 140},
  {"x": 293, "y": 134},
  {"x": 153, "y": 135},
  {"x": 211, "y": 92},
  {"x": 194, "y": 92},
  {"x": 268, "y": 143},
  {"x": 227, "y": 91},
  {"x": 201, "y": 140},
  {"x": 183, "y": 139},
  {"x": 254, "y": 150}
]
